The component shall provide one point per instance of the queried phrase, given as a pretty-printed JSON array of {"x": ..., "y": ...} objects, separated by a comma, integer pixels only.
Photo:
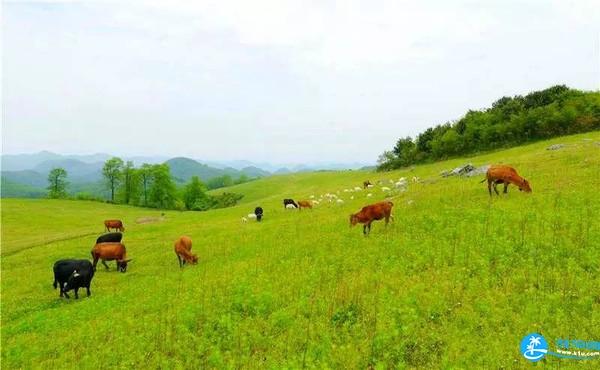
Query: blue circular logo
[{"x": 534, "y": 347}]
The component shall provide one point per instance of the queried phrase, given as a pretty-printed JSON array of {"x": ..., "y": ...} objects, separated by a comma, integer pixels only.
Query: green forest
[
  {"x": 150, "y": 185},
  {"x": 510, "y": 121}
]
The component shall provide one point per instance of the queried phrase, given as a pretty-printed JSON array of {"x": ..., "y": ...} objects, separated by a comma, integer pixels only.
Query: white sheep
[
  {"x": 369, "y": 195},
  {"x": 340, "y": 201},
  {"x": 357, "y": 188},
  {"x": 385, "y": 188},
  {"x": 370, "y": 186},
  {"x": 251, "y": 215},
  {"x": 401, "y": 184}
]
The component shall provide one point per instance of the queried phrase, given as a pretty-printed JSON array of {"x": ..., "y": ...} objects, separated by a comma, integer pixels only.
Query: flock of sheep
[{"x": 394, "y": 186}]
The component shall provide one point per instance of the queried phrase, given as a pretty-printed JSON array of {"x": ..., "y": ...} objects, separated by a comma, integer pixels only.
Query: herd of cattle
[{"x": 73, "y": 274}]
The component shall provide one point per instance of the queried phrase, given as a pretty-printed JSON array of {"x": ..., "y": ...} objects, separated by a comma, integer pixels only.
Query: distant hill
[
  {"x": 26, "y": 177},
  {"x": 78, "y": 171},
  {"x": 12, "y": 189},
  {"x": 184, "y": 168}
]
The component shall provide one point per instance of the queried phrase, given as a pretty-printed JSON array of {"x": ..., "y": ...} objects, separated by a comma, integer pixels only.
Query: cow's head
[
  {"x": 525, "y": 186},
  {"x": 194, "y": 259},
  {"x": 73, "y": 281},
  {"x": 353, "y": 220},
  {"x": 122, "y": 265}
]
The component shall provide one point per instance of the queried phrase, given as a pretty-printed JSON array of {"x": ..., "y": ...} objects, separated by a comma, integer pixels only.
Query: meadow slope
[{"x": 454, "y": 282}]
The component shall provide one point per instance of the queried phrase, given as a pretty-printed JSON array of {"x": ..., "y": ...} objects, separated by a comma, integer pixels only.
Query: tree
[
  {"x": 112, "y": 172},
  {"x": 130, "y": 183},
  {"x": 162, "y": 191},
  {"x": 145, "y": 173},
  {"x": 220, "y": 182},
  {"x": 57, "y": 183},
  {"x": 193, "y": 193}
]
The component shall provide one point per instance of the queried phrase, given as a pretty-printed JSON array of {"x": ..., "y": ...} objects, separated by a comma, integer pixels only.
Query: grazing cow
[
  {"x": 370, "y": 213},
  {"x": 287, "y": 202},
  {"x": 114, "y": 224},
  {"x": 111, "y": 252},
  {"x": 501, "y": 174},
  {"x": 73, "y": 274},
  {"x": 366, "y": 184},
  {"x": 110, "y": 238},
  {"x": 183, "y": 250},
  {"x": 304, "y": 204},
  {"x": 258, "y": 211}
]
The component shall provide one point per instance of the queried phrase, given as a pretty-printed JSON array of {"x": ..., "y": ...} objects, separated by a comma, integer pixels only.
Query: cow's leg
[
  {"x": 490, "y": 187},
  {"x": 87, "y": 288},
  {"x": 365, "y": 229},
  {"x": 65, "y": 293},
  {"x": 105, "y": 265},
  {"x": 76, "y": 293},
  {"x": 179, "y": 259},
  {"x": 505, "y": 187},
  {"x": 496, "y": 188}
]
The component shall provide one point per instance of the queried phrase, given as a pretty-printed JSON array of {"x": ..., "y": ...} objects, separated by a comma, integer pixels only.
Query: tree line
[
  {"x": 150, "y": 185},
  {"x": 510, "y": 121}
]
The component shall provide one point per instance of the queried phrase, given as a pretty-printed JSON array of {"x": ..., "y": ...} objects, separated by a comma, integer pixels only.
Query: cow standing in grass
[
  {"x": 370, "y": 213},
  {"x": 114, "y": 224},
  {"x": 501, "y": 174},
  {"x": 73, "y": 274},
  {"x": 287, "y": 202},
  {"x": 183, "y": 250},
  {"x": 110, "y": 238},
  {"x": 258, "y": 211},
  {"x": 304, "y": 204},
  {"x": 111, "y": 252}
]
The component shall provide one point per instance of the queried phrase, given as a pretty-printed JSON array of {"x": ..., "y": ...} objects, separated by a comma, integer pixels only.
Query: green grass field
[{"x": 455, "y": 281}]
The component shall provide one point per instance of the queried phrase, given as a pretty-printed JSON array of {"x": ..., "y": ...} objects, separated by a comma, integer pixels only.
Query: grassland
[{"x": 454, "y": 282}]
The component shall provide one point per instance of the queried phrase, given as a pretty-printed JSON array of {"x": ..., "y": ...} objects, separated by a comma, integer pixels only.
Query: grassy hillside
[{"x": 455, "y": 281}]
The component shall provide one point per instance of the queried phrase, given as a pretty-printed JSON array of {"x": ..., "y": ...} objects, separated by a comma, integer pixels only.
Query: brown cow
[
  {"x": 304, "y": 204},
  {"x": 110, "y": 252},
  {"x": 501, "y": 174},
  {"x": 183, "y": 249},
  {"x": 114, "y": 224},
  {"x": 370, "y": 213}
]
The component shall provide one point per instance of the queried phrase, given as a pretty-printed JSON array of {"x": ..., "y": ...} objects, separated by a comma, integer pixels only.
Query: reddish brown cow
[
  {"x": 370, "y": 213},
  {"x": 110, "y": 252},
  {"x": 114, "y": 224},
  {"x": 183, "y": 249},
  {"x": 304, "y": 204},
  {"x": 501, "y": 174}
]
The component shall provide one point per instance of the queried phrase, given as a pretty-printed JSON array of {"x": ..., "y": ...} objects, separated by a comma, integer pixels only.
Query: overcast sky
[{"x": 280, "y": 81}]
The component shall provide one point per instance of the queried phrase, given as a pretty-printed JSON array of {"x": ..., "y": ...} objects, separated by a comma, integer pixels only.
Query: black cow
[
  {"x": 289, "y": 201},
  {"x": 109, "y": 238},
  {"x": 258, "y": 211},
  {"x": 73, "y": 274}
]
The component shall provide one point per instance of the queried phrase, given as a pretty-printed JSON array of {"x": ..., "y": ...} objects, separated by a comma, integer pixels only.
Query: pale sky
[{"x": 278, "y": 81}]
